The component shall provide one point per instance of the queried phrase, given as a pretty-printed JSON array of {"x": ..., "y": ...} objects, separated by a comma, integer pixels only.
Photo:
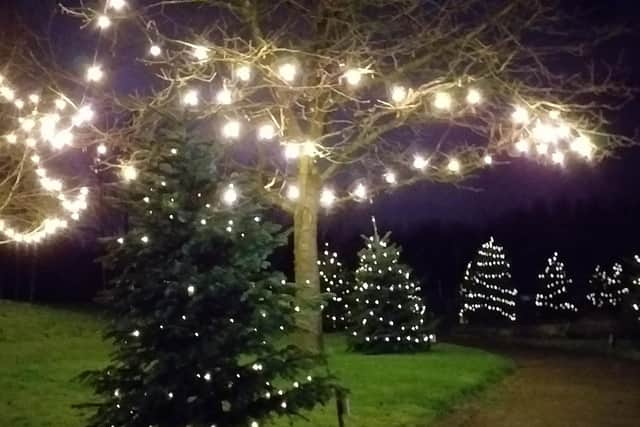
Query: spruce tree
[
  {"x": 335, "y": 281},
  {"x": 388, "y": 312},
  {"x": 554, "y": 283},
  {"x": 199, "y": 316},
  {"x": 487, "y": 292},
  {"x": 607, "y": 287}
]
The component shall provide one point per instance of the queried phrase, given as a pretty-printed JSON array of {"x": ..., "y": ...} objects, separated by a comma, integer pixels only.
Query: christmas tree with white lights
[
  {"x": 199, "y": 316},
  {"x": 554, "y": 283},
  {"x": 388, "y": 312},
  {"x": 487, "y": 292},
  {"x": 632, "y": 299},
  {"x": 607, "y": 287},
  {"x": 335, "y": 282}
]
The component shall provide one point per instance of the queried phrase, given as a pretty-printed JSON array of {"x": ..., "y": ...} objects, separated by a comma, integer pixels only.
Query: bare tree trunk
[{"x": 305, "y": 222}]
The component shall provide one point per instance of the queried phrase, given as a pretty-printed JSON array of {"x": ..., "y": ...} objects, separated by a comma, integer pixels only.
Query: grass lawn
[{"x": 43, "y": 349}]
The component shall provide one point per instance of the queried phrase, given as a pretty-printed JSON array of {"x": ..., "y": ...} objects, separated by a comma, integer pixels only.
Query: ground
[
  {"x": 42, "y": 351},
  {"x": 552, "y": 388}
]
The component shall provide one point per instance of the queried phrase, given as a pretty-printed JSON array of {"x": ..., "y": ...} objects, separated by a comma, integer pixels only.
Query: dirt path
[{"x": 550, "y": 388}]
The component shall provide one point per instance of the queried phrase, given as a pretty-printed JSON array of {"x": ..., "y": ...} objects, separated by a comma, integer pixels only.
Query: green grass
[{"x": 42, "y": 350}]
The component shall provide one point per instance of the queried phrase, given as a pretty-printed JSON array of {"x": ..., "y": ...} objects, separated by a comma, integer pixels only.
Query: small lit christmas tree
[
  {"x": 607, "y": 288},
  {"x": 388, "y": 312},
  {"x": 336, "y": 283},
  {"x": 553, "y": 297},
  {"x": 632, "y": 299},
  {"x": 199, "y": 317},
  {"x": 487, "y": 293}
]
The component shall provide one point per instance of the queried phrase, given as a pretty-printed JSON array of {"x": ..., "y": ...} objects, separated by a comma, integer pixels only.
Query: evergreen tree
[
  {"x": 388, "y": 312},
  {"x": 335, "y": 282},
  {"x": 607, "y": 287},
  {"x": 554, "y": 284},
  {"x": 198, "y": 314},
  {"x": 487, "y": 293}
]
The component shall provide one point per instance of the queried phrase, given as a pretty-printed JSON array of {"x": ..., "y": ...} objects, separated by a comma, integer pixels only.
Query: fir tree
[
  {"x": 607, "y": 287},
  {"x": 335, "y": 281},
  {"x": 388, "y": 312},
  {"x": 198, "y": 314},
  {"x": 487, "y": 293},
  {"x": 554, "y": 284}
]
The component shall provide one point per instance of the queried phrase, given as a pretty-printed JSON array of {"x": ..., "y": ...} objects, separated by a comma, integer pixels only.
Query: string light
[
  {"x": 266, "y": 131},
  {"x": 419, "y": 162},
  {"x": 201, "y": 53},
  {"x": 327, "y": 197},
  {"x": 353, "y": 76},
  {"x": 190, "y": 98},
  {"x": 288, "y": 72},
  {"x": 11, "y": 138},
  {"x": 390, "y": 177},
  {"x": 104, "y": 22},
  {"x": 487, "y": 159},
  {"x": 117, "y": 5},
  {"x": 555, "y": 285},
  {"x": 583, "y": 146},
  {"x": 474, "y": 97},
  {"x": 101, "y": 149},
  {"x": 442, "y": 101},
  {"x": 398, "y": 94},
  {"x": 558, "y": 157},
  {"x": 95, "y": 73},
  {"x": 129, "y": 172},
  {"x": 155, "y": 50},
  {"x": 360, "y": 192},
  {"x": 454, "y": 166},
  {"x": 229, "y": 195},
  {"x": 520, "y": 115},
  {"x": 243, "y": 73},
  {"x": 231, "y": 129},
  {"x": 60, "y": 103},
  {"x": 293, "y": 192},
  {"x": 522, "y": 146},
  {"x": 224, "y": 96}
]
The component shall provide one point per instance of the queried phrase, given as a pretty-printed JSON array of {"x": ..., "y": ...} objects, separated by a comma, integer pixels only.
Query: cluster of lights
[
  {"x": 555, "y": 281},
  {"x": 36, "y": 129},
  {"x": 332, "y": 279},
  {"x": 608, "y": 289},
  {"x": 486, "y": 284}
]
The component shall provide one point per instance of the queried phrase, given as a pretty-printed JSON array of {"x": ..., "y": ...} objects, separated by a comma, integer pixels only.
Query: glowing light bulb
[
  {"x": 554, "y": 114},
  {"x": 229, "y": 195},
  {"x": 327, "y": 197},
  {"x": 144, "y": 239},
  {"x": 155, "y": 50},
  {"x": 95, "y": 73},
  {"x": 293, "y": 192},
  {"x": 60, "y": 103},
  {"x": 7, "y": 93},
  {"x": 442, "y": 101},
  {"x": 224, "y": 96},
  {"x": 101, "y": 149},
  {"x": 243, "y": 73},
  {"x": 557, "y": 157},
  {"x": 104, "y": 22},
  {"x": 231, "y": 129},
  {"x": 201, "y": 53},
  {"x": 129, "y": 173},
  {"x": 583, "y": 146},
  {"x": 360, "y": 191},
  {"x": 390, "y": 177},
  {"x": 488, "y": 159},
  {"x": 83, "y": 115},
  {"x": 520, "y": 115},
  {"x": 287, "y": 72},
  {"x": 19, "y": 103},
  {"x": 399, "y": 94},
  {"x": 266, "y": 131},
  {"x": 419, "y": 162},
  {"x": 190, "y": 98},
  {"x": 353, "y": 76},
  {"x": 454, "y": 166},
  {"x": 522, "y": 146},
  {"x": 116, "y": 4},
  {"x": 28, "y": 124},
  {"x": 291, "y": 150},
  {"x": 34, "y": 99},
  {"x": 11, "y": 138},
  {"x": 62, "y": 139},
  {"x": 474, "y": 97},
  {"x": 542, "y": 149}
]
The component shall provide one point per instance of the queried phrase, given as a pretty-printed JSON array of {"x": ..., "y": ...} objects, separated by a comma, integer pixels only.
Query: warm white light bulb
[
  {"x": 129, "y": 173},
  {"x": 520, "y": 115},
  {"x": 101, "y": 149},
  {"x": 291, "y": 150},
  {"x": 522, "y": 146},
  {"x": 288, "y": 72},
  {"x": 62, "y": 139},
  {"x": 34, "y": 98},
  {"x": 116, "y": 4},
  {"x": 60, "y": 103},
  {"x": 155, "y": 50},
  {"x": 11, "y": 138},
  {"x": 419, "y": 162},
  {"x": 231, "y": 129},
  {"x": 200, "y": 53},
  {"x": 190, "y": 98},
  {"x": 28, "y": 124},
  {"x": 353, "y": 76},
  {"x": 474, "y": 97},
  {"x": 266, "y": 131},
  {"x": 360, "y": 191},
  {"x": 243, "y": 73},
  {"x": 104, "y": 22},
  {"x": 583, "y": 146},
  {"x": 454, "y": 166},
  {"x": 442, "y": 101},
  {"x": 83, "y": 115},
  {"x": 95, "y": 73},
  {"x": 327, "y": 197},
  {"x": 542, "y": 148},
  {"x": 229, "y": 195},
  {"x": 293, "y": 192},
  {"x": 390, "y": 177},
  {"x": 398, "y": 94},
  {"x": 224, "y": 96},
  {"x": 558, "y": 157},
  {"x": 488, "y": 159}
]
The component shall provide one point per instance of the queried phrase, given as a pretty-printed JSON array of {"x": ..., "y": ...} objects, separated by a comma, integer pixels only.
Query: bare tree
[{"x": 331, "y": 101}]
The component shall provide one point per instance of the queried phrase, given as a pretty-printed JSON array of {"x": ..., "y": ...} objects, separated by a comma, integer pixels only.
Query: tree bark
[{"x": 305, "y": 236}]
